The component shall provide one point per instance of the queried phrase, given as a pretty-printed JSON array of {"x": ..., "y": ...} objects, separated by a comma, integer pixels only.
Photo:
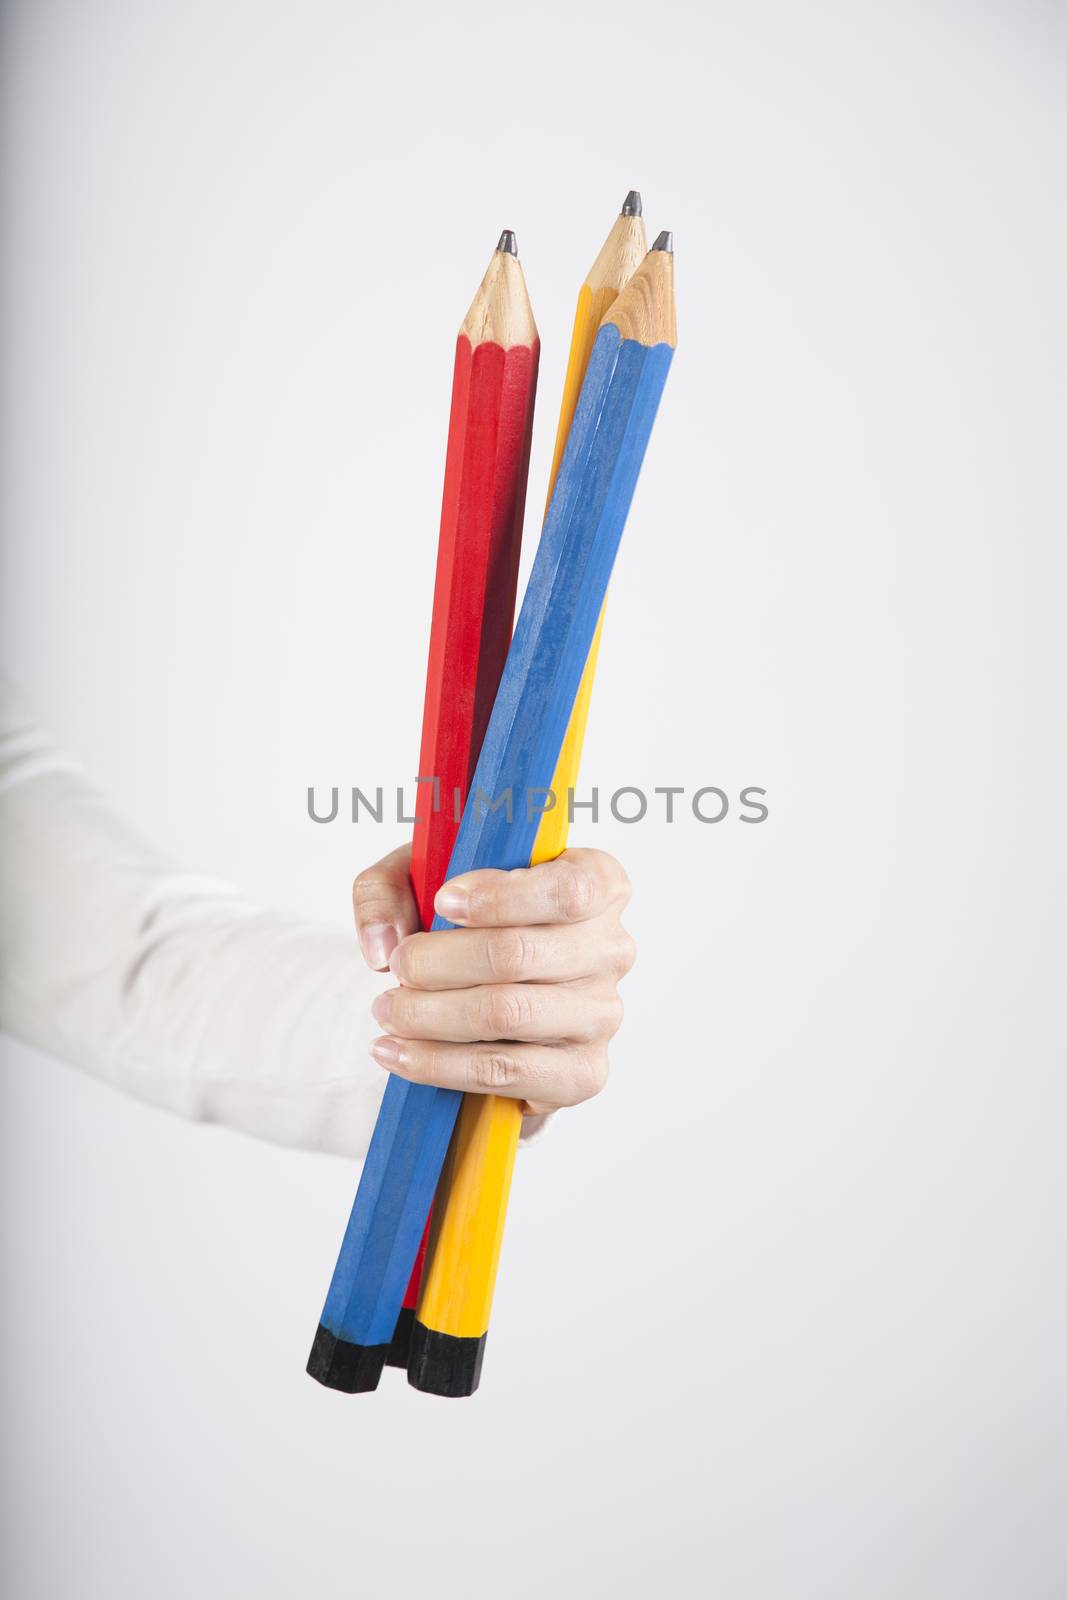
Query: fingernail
[
  {"x": 386, "y": 1053},
  {"x": 452, "y": 903},
  {"x": 378, "y": 941},
  {"x": 380, "y": 1009}
]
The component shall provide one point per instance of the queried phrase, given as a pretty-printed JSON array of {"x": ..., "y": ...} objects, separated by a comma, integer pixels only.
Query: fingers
[
  {"x": 543, "y": 1075},
  {"x": 384, "y": 906},
  {"x": 580, "y": 1013},
  {"x": 466, "y": 957},
  {"x": 519, "y": 999},
  {"x": 580, "y": 885}
]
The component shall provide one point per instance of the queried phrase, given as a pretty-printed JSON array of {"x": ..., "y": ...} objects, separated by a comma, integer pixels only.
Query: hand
[{"x": 520, "y": 999}]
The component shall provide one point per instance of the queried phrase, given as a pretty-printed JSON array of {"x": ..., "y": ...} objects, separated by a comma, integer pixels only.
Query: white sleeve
[{"x": 173, "y": 988}]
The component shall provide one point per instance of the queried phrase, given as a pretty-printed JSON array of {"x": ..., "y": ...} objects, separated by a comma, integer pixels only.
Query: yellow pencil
[{"x": 472, "y": 1195}]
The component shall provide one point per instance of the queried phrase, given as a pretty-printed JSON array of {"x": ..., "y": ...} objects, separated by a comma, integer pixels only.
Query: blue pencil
[{"x": 616, "y": 409}]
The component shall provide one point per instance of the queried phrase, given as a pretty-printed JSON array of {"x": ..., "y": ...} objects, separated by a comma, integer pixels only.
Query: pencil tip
[
  {"x": 631, "y": 206},
  {"x": 665, "y": 242},
  {"x": 507, "y": 243}
]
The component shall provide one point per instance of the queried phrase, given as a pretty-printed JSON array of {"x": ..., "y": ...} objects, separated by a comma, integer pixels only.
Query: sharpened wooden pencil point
[
  {"x": 664, "y": 241},
  {"x": 500, "y": 312},
  {"x": 506, "y": 242},
  {"x": 645, "y": 309},
  {"x": 631, "y": 206}
]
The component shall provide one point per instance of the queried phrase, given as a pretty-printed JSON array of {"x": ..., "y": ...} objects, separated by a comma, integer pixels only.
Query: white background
[{"x": 782, "y": 1313}]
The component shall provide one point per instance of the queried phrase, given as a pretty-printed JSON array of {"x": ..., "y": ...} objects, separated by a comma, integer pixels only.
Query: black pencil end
[
  {"x": 664, "y": 242},
  {"x": 631, "y": 206},
  {"x": 351, "y": 1368},
  {"x": 443, "y": 1364},
  {"x": 506, "y": 242}
]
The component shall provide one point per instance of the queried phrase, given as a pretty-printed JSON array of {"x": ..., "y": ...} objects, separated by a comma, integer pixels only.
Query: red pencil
[
  {"x": 478, "y": 554},
  {"x": 486, "y": 465}
]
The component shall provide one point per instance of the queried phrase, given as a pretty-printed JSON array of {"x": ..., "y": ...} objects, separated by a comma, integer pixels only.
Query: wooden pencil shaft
[
  {"x": 468, "y": 1225},
  {"x": 486, "y": 467},
  {"x": 457, "y": 704},
  {"x": 474, "y": 596}
]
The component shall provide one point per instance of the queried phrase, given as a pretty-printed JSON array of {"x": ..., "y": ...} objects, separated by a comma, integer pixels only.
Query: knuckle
[
  {"x": 583, "y": 1015},
  {"x": 403, "y": 1010},
  {"x": 597, "y": 1071},
  {"x": 613, "y": 875},
  {"x": 369, "y": 889},
  {"x": 428, "y": 1064},
  {"x": 613, "y": 1014},
  {"x": 418, "y": 1065},
  {"x": 369, "y": 881},
  {"x": 492, "y": 1070},
  {"x": 608, "y": 872},
  {"x": 588, "y": 1072},
  {"x": 484, "y": 898},
  {"x": 406, "y": 961},
  {"x": 625, "y": 954},
  {"x": 508, "y": 953},
  {"x": 575, "y": 892},
  {"x": 505, "y": 1011},
  {"x": 410, "y": 1010}
]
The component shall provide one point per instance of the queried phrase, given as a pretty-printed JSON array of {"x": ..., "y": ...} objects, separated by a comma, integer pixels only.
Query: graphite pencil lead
[
  {"x": 506, "y": 242},
  {"x": 664, "y": 241},
  {"x": 631, "y": 206}
]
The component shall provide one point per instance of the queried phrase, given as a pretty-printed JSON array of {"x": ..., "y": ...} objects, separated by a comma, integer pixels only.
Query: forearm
[{"x": 172, "y": 988}]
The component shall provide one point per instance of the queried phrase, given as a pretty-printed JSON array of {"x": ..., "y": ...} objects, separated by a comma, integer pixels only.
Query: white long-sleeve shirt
[{"x": 173, "y": 988}]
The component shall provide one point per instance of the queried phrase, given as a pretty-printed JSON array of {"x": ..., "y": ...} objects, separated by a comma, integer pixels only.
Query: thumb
[{"x": 384, "y": 904}]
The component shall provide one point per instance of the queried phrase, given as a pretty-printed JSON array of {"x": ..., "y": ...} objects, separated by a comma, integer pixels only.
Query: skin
[{"x": 521, "y": 998}]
